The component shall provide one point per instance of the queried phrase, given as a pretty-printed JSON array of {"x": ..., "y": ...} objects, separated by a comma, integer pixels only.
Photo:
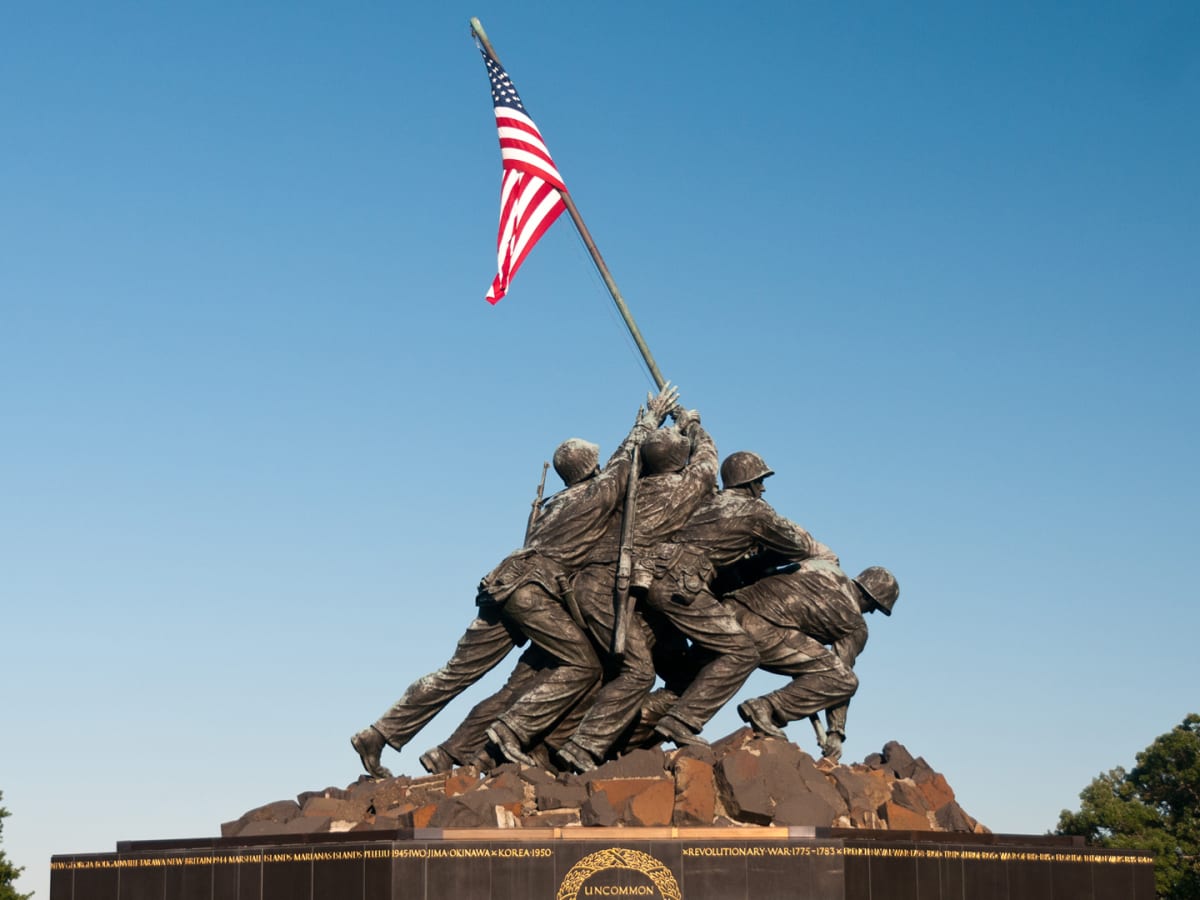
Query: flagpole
[{"x": 601, "y": 266}]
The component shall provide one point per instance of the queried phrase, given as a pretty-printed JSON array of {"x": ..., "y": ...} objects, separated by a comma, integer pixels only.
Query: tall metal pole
[{"x": 601, "y": 266}]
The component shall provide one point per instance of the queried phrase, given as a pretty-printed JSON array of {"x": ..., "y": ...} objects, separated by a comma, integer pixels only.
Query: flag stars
[{"x": 504, "y": 93}]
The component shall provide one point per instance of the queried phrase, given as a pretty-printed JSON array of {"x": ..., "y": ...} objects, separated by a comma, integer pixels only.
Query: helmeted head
[
  {"x": 880, "y": 585},
  {"x": 665, "y": 450},
  {"x": 576, "y": 459},
  {"x": 743, "y": 468}
]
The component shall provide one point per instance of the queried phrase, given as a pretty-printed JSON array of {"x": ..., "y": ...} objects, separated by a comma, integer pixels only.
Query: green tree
[
  {"x": 8, "y": 872},
  {"x": 1155, "y": 806}
]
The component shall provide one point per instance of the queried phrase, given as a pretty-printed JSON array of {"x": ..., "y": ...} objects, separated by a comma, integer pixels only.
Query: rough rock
[
  {"x": 863, "y": 789},
  {"x": 897, "y": 758},
  {"x": 299, "y": 825},
  {"x": 478, "y": 809},
  {"x": 557, "y": 795},
  {"x": 635, "y": 764},
  {"x": 621, "y": 790},
  {"x": 901, "y": 818},
  {"x": 743, "y": 787},
  {"x": 334, "y": 792},
  {"x": 348, "y": 810},
  {"x": 770, "y": 781},
  {"x": 422, "y": 815},
  {"x": 740, "y": 780},
  {"x": 936, "y": 791},
  {"x": 460, "y": 781},
  {"x": 279, "y": 812},
  {"x": 695, "y": 792},
  {"x": 552, "y": 819},
  {"x": 950, "y": 817},
  {"x": 597, "y": 811},
  {"x": 905, "y": 793},
  {"x": 654, "y": 804}
]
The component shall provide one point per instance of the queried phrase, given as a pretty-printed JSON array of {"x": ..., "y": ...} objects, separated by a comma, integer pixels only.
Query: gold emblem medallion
[{"x": 586, "y": 878}]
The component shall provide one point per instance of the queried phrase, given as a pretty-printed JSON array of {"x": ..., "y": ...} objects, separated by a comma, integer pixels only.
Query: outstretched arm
[
  {"x": 789, "y": 540},
  {"x": 649, "y": 418}
]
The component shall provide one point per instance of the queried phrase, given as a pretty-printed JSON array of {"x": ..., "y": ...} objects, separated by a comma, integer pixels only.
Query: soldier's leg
[
  {"x": 569, "y": 722},
  {"x": 713, "y": 628},
  {"x": 487, "y": 640},
  {"x": 572, "y": 669},
  {"x": 676, "y": 663},
  {"x": 819, "y": 679},
  {"x": 469, "y": 738},
  {"x": 640, "y": 732},
  {"x": 617, "y": 702}
]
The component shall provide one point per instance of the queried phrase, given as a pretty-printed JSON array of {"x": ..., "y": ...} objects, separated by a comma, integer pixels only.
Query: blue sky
[{"x": 260, "y": 434}]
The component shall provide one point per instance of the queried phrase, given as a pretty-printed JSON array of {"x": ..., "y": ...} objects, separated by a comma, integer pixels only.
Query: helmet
[
  {"x": 665, "y": 450},
  {"x": 880, "y": 585},
  {"x": 575, "y": 459},
  {"x": 742, "y": 468}
]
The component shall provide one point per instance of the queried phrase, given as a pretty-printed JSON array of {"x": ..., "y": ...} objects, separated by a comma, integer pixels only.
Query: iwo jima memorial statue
[{"x": 646, "y": 592}]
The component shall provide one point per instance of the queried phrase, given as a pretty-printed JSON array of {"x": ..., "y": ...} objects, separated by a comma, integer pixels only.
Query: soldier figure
[
  {"x": 518, "y": 600},
  {"x": 791, "y": 616},
  {"x": 678, "y": 473},
  {"x": 729, "y": 526}
]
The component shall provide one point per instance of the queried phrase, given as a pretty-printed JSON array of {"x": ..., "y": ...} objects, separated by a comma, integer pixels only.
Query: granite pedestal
[{"x": 762, "y": 863}]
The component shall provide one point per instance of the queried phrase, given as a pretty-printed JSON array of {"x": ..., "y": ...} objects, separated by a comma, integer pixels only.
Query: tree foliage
[
  {"x": 8, "y": 872},
  {"x": 1155, "y": 806}
]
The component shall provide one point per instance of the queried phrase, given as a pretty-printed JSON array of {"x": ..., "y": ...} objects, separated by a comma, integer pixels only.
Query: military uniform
[
  {"x": 726, "y": 528},
  {"x": 518, "y": 600},
  {"x": 792, "y": 617},
  {"x": 665, "y": 503}
]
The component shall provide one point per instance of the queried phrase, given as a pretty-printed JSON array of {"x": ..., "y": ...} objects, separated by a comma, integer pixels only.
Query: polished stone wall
[{"x": 598, "y": 863}]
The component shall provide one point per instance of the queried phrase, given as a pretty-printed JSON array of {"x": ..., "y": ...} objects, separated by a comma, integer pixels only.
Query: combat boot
[
  {"x": 759, "y": 715},
  {"x": 672, "y": 729},
  {"x": 576, "y": 758},
  {"x": 437, "y": 761},
  {"x": 509, "y": 744},
  {"x": 370, "y": 743}
]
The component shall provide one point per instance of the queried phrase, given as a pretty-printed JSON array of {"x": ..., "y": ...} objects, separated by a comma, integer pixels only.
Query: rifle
[
  {"x": 622, "y": 601},
  {"x": 537, "y": 503}
]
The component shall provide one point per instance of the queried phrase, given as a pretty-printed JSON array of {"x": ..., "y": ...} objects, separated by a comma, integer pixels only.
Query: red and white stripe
[
  {"x": 522, "y": 147},
  {"x": 529, "y": 195}
]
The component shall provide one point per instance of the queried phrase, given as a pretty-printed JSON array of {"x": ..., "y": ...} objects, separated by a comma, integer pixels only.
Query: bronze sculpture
[
  {"x": 518, "y": 600},
  {"x": 792, "y": 616},
  {"x": 642, "y": 570}
]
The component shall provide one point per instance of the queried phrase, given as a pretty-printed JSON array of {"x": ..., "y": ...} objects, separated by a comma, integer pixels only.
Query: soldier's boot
[
  {"x": 369, "y": 743},
  {"x": 576, "y": 758},
  {"x": 437, "y": 761},
  {"x": 509, "y": 744},
  {"x": 759, "y": 715},
  {"x": 486, "y": 759},
  {"x": 541, "y": 755},
  {"x": 672, "y": 729}
]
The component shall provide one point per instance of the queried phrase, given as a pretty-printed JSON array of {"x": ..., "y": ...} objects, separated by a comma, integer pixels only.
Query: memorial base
[{"x": 578, "y": 863}]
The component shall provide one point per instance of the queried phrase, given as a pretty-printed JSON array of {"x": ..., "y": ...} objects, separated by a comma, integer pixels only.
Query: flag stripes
[{"x": 530, "y": 201}]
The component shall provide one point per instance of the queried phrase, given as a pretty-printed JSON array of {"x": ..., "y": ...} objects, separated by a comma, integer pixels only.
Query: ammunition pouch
[{"x": 682, "y": 571}]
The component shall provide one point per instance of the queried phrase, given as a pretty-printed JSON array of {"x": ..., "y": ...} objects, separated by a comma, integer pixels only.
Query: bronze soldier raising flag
[
  {"x": 518, "y": 599},
  {"x": 618, "y": 580}
]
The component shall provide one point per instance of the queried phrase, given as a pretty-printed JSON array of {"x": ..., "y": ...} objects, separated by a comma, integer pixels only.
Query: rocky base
[{"x": 741, "y": 780}]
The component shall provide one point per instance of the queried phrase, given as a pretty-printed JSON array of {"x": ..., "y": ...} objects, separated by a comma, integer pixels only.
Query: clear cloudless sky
[{"x": 260, "y": 434}]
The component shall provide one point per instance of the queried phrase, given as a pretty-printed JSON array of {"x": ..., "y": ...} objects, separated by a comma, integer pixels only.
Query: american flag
[{"x": 529, "y": 191}]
